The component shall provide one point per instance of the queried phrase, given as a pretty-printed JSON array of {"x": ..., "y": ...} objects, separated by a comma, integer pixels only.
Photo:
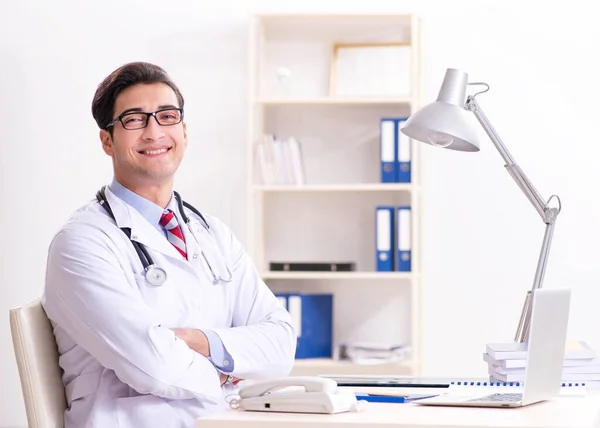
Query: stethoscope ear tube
[
  {"x": 156, "y": 275},
  {"x": 181, "y": 203}
]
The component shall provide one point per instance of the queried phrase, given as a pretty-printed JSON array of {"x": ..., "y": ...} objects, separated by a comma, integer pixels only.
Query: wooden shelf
[
  {"x": 309, "y": 188},
  {"x": 333, "y": 216},
  {"x": 338, "y": 101},
  {"x": 336, "y": 275},
  {"x": 328, "y": 366}
]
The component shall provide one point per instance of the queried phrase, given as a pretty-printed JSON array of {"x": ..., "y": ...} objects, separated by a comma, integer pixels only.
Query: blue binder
[
  {"x": 403, "y": 154},
  {"x": 384, "y": 238},
  {"x": 387, "y": 149},
  {"x": 312, "y": 318},
  {"x": 403, "y": 239}
]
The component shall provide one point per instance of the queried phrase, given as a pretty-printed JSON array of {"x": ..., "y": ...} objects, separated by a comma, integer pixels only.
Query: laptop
[{"x": 545, "y": 356}]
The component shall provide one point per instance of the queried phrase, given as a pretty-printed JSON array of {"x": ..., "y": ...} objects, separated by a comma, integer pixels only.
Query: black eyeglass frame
[{"x": 153, "y": 114}]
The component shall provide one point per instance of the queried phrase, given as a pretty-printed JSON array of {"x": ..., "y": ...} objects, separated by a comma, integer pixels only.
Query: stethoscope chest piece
[{"x": 156, "y": 275}]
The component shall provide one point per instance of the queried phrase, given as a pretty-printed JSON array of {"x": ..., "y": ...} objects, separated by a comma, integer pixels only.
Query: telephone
[{"x": 300, "y": 394}]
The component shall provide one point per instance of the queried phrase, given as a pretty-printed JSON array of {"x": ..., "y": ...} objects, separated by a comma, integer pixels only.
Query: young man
[{"x": 157, "y": 310}]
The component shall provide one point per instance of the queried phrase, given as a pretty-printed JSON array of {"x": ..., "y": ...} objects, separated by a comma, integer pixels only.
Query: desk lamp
[{"x": 447, "y": 123}]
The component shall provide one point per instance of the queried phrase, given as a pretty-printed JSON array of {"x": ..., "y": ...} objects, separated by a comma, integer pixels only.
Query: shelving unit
[{"x": 332, "y": 216}]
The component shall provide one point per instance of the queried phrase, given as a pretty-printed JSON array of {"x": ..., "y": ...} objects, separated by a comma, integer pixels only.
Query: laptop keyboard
[{"x": 509, "y": 397}]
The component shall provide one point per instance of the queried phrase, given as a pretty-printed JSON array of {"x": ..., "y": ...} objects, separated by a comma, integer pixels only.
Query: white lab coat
[{"x": 123, "y": 366}]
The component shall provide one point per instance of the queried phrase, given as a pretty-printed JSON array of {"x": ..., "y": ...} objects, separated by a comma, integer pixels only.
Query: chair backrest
[{"x": 37, "y": 361}]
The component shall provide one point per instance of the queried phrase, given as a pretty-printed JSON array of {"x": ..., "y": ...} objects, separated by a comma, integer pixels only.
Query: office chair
[{"x": 37, "y": 361}]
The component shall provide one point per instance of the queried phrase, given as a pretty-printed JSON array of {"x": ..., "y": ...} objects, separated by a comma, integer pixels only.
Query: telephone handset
[{"x": 300, "y": 394}]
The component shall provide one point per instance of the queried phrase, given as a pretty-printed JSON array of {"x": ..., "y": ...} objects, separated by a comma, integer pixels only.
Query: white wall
[{"x": 481, "y": 236}]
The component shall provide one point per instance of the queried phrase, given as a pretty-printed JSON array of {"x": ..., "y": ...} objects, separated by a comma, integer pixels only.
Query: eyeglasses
[{"x": 139, "y": 119}]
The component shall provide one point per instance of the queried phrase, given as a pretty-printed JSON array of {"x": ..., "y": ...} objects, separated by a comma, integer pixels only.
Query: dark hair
[{"x": 122, "y": 78}]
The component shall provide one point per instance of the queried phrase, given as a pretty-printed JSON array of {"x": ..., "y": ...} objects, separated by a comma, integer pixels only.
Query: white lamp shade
[
  {"x": 440, "y": 120},
  {"x": 445, "y": 122}
]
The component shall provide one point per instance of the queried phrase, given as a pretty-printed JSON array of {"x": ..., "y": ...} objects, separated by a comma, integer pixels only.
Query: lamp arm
[{"x": 546, "y": 212}]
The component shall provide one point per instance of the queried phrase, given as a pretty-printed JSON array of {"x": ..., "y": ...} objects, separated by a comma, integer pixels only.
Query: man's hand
[
  {"x": 222, "y": 378},
  {"x": 234, "y": 380},
  {"x": 195, "y": 339},
  {"x": 198, "y": 342}
]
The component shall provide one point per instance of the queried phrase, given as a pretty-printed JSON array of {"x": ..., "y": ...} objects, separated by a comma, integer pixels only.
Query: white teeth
[{"x": 154, "y": 152}]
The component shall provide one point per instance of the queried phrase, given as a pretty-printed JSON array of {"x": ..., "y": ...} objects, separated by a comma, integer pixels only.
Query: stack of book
[
  {"x": 506, "y": 363},
  {"x": 279, "y": 162}
]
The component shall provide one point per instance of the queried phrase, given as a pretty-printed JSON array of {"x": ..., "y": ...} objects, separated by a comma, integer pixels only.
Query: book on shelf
[
  {"x": 393, "y": 238},
  {"x": 279, "y": 162},
  {"x": 394, "y": 151},
  {"x": 312, "y": 320}
]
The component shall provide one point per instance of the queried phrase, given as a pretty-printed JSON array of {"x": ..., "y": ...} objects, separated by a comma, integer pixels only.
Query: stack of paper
[
  {"x": 507, "y": 361},
  {"x": 373, "y": 353}
]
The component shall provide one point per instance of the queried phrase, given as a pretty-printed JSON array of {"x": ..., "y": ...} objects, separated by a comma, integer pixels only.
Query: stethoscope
[{"x": 154, "y": 274}]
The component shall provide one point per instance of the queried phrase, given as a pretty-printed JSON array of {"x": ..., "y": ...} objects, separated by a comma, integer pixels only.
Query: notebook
[{"x": 570, "y": 389}]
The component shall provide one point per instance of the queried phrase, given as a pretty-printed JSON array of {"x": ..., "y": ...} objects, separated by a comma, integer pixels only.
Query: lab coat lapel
[
  {"x": 204, "y": 246},
  {"x": 141, "y": 230}
]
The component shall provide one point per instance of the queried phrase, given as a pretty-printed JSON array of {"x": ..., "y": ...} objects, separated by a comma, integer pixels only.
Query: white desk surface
[{"x": 563, "y": 412}]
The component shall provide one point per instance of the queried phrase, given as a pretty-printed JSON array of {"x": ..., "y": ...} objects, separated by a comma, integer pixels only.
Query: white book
[
  {"x": 269, "y": 152},
  {"x": 288, "y": 167},
  {"x": 279, "y": 161},
  {"x": 516, "y": 350},
  {"x": 520, "y": 363},
  {"x": 566, "y": 377},
  {"x": 297, "y": 164},
  {"x": 583, "y": 369}
]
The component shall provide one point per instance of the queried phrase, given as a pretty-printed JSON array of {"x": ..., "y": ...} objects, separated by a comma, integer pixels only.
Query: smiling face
[{"x": 150, "y": 156}]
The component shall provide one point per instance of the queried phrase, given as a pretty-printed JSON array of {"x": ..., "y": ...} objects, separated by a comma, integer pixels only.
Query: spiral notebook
[{"x": 572, "y": 389}]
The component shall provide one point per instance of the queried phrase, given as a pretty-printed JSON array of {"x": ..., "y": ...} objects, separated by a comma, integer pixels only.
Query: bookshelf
[{"x": 331, "y": 217}]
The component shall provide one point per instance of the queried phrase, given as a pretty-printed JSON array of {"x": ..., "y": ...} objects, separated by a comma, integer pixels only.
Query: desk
[{"x": 563, "y": 412}]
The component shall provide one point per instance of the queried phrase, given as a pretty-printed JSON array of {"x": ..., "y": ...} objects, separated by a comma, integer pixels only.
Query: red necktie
[{"x": 174, "y": 233}]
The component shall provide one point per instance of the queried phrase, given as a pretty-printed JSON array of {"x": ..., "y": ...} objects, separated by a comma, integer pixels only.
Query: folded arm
[
  {"x": 262, "y": 341},
  {"x": 88, "y": 295}
]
